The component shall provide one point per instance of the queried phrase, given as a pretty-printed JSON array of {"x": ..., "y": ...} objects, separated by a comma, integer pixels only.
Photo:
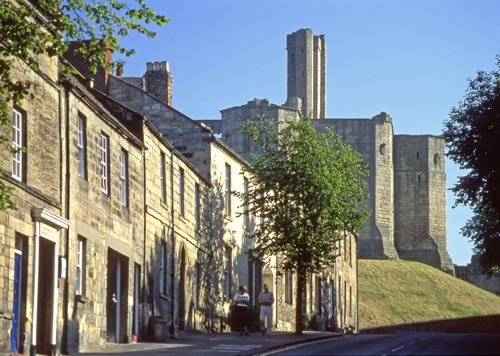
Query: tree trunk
[{"x": 298, "y": 304}]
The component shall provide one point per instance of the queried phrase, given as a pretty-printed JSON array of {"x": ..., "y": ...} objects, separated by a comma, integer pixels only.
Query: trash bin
[{"x": 157, "y": 324}]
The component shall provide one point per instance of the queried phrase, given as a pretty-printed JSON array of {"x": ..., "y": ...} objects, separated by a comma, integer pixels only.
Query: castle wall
[
  {"x": 420, "y": 198},
  {"x": 373, "y": 140}
]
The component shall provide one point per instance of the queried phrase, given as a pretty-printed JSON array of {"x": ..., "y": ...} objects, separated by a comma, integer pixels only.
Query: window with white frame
[
  {"x": 82, "y": 146},
  {"x": 181, "y": 191},
  {"x": 104, "y": 163},
  {"x": 163, "y": 268},
  {"x": 163, "y": 181},
  {"x": 80, "y": 266},
  {"x": 17, "y": 145},
  {"x": 227, "y": 191},
  {"x": 124, "y": 182}
]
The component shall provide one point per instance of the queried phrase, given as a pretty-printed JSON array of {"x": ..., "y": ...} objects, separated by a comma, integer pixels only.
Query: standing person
[
  {"x": 241, "y": 301},
  {"x": 266, "y": 300}
]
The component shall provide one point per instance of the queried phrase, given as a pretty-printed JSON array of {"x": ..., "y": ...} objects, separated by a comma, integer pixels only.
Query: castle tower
[
  {"x": 306, "y": 72},
  {"x": 420, "y": 200}
]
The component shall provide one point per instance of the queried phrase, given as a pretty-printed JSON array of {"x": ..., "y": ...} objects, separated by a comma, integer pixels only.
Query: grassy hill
[{"x": 397, "y": 292}]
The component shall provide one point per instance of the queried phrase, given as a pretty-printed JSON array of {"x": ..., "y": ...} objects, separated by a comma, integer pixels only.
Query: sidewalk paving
[{"x": 215, "y": 344}]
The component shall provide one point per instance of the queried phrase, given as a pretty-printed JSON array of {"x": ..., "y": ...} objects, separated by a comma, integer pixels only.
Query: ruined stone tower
[
  {"x": 306, "y": 73},
  {"x": 406, "y": 185}
]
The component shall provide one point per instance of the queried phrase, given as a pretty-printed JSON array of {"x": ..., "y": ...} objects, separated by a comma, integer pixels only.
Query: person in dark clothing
[{"x": 241, "y": 309}]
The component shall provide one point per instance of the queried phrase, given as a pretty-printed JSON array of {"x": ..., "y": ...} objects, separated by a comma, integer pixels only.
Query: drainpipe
[
  {"x": 65, "y": 186},
  {"x": 357, "y": 286},
  {"x": 172, "y": 231},
  {"x": 144, "y": 270}
]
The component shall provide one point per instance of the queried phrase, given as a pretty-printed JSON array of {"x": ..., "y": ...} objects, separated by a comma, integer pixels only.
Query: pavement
[{"x": 216, "y": 344}]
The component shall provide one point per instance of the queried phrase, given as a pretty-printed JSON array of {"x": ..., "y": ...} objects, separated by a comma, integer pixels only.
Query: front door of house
[{"x": 16, "y": 305}]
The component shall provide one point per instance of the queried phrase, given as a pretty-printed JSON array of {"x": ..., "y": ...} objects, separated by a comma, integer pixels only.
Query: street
[{"x": 405, "y": 343}]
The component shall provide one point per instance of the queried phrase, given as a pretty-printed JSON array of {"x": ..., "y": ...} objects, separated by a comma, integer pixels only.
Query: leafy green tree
[
  {"x": 472, "y": 133},
  {"x": 308, "y": 189},
  {"x": 30, "y": 29}
]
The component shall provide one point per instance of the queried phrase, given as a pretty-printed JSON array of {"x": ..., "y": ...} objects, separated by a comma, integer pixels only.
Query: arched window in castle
[
  {"x": 382, "y": 148},
  {"x": 418, "y": 155},
  {"x": 437, "y": 159}
]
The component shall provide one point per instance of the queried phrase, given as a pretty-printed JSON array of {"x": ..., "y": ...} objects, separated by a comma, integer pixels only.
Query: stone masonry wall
[
  {"x": 39, "y": 188},
  {"x": 104, "y": 224},
  {"x": 233, "y": 118},
  {"x": 187, "y": 136},
  {"x": 419, "y": 194},
  {"x": 373, "y": 140}
]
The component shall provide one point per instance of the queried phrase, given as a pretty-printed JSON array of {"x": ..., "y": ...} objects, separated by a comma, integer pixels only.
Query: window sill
[{"x": 82, "y": 299}]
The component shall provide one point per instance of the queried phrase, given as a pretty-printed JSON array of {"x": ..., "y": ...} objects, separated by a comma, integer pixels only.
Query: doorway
[
  {"x": 20, "y": 289},
  {"x": 116, "y": 297},
  {"x": 45, "y": 296},
  {"x": 182, "y": 290}
]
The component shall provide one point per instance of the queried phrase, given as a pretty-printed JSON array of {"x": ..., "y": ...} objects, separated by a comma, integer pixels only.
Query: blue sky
[{"x": 408, "y": 58}]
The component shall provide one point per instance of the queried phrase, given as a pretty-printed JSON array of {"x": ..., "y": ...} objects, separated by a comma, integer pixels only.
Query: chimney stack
[
  {"x": 100, "y": 78},
  {"x": 158, "y": 81}
]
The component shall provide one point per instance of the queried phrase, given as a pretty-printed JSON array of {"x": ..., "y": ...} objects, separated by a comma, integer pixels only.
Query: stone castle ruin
[{"x": 407, "y": 180}]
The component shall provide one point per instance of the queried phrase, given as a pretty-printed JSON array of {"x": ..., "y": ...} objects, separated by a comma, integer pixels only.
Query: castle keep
[{"x": 407, "y": 180}]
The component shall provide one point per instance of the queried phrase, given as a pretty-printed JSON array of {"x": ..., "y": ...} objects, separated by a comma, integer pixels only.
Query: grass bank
[{"x": 398, "y": 292}]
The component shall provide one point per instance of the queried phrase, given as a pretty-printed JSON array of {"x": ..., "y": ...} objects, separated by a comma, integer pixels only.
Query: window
[
  {"x": 288, "y": 287},
  {"x": 181, "y": 191},
  {"x": 17, "y": 145},
  {"x": 105, "y": 163},
  {"x": 124, "y": 182},
  {"x": 246, "y": 215},
  {"x": 80, "y": 266},
  {"x": 317, "y": 292},
  {"x": 81, "y": 146},
  {"x": 197, "y": 205},
  {"x": 418, "y": 155},
  {"x": 228, "y": 271},
  {"x": 197, "y": 279},
  {"x": 163, "y": 181},
  {"x": 227, "y": 189},
  {"x": 163, "y": 268}
]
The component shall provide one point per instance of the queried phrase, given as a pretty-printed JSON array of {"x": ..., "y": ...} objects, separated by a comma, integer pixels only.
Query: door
[
  {"x": 45, "y": 296},
  {"x": 116, "y": 297},
  {"x": 16, "y": 305},
  {"x": 113, "y": 299},
  {"x": 182, "y": 290},
  {"x": 137, "y": 279}
]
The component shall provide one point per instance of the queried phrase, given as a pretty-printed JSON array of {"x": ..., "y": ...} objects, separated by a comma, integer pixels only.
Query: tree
[
  {"x": 472, "y": 133},
  {"x": 211, "y": 249},
  {"x": 308, "y": 189},
  {"x": 30, "y": 29}
]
